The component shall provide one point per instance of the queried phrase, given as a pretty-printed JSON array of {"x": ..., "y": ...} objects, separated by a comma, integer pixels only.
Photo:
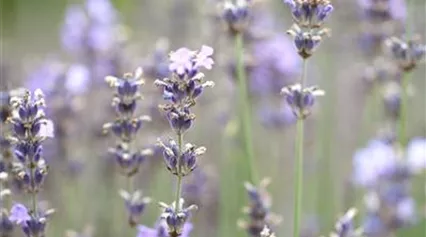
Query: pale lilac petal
[
  {"x": 144, "y": 231},
  {"x": 19, "y": 214}
]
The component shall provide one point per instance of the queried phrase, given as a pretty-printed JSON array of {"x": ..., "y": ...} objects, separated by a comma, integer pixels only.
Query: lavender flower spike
[{"x": 306, "y": 42}]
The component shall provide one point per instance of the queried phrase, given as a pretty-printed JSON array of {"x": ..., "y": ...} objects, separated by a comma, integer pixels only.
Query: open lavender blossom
[
  {"x": 301, "y": 100},
  {"x": 32, "y": 224},
  {"x": 176, "y": 217}
]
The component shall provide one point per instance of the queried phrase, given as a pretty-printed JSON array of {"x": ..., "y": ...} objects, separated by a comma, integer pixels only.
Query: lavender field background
[{"x": 83, "y": 181}]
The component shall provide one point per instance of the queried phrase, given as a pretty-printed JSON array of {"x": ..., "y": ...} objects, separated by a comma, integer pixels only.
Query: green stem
[
  {"x": 298, "y": 184},
  {"x": 245, "y": 109},
  {"x": 179, "y": 179},
  {"x": 402, "y": 125}
]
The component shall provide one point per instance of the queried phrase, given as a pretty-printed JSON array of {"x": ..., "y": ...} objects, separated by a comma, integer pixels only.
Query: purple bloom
[
  {"x": 181, "y": 60},
  {"x": 309, "y": 13},
  {"x": 45, "y": 77},
  {"x": 397, "y": 9},
  {"x": 160, "y": 230},
  {"x": 275, "y": 64},
  {"x": 77, "y": 79},
  {"x": 19, "y": 214},
  {"x": 74, "y": 28},
  {"x": 203, "y": 58},
  {"x": 416, "y": 155},
  {"x": 102, "y": 11},
  {"x": 371, "y": 162}
]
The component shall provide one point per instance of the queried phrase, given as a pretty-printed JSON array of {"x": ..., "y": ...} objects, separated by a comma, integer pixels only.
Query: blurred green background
[{"x": 340, "y": 125}]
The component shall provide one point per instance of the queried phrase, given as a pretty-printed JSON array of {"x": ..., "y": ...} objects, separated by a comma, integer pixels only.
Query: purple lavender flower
[
  {"x": 416, "y": 155},
  {"x": 125, "y": 127},
  {"x": 77, "y": 79},
  {"x": 407, "y": 54},
  {"x": 309, "y": 13},
  {"x": 74, "y": 28},
  {"x": 389, "y": 9},
  {"x": 19, "y": 214},
  {"x": 6, "y": 225},
  {"x": 135, "y": 204},
  {"x": 275, "y": 64},
  {"x": 176, "y": 218},
  {"x": 188, "y": 157},
  {"x": 301, "y": 100},
  {"x": 258, "y": 209},
  {"x": 161, "y": 230},
  {"x": 306, "y": 42},
  {"x": 236, "y": 15},
  {"x": 372, "y": 162},
  {"x": 101, "y": 11}
]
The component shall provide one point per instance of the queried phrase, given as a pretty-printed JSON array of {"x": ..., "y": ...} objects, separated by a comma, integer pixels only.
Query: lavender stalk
[
  {"x": 180, "y": 90},
  {"x": 307, "y": 30},
  {"x": 245, "y": 113}
]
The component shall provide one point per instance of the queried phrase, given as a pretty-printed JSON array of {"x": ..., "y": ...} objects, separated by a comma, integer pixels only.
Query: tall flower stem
[
  {"x": 179, "y": 176},
  {"x": 402, "y": 124},
  {"x": 33, "y": 192},
  {"x": 298, "y": 183},
  {"x": 245, "y": 109}
]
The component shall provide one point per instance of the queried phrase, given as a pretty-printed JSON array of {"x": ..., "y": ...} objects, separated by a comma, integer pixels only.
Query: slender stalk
[
  {"x": 245, "y": 109},
  {"x": 402, "y": 123},
  {"x": 179, "y": 179},
  {"x": 298, "y": 183},
  {"x": 33, "y": 191}
]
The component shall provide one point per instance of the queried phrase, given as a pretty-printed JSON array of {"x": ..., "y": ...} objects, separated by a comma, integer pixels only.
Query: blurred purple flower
[
  {"x": 396, "y": 8},
  {"x": 74, "y": 28},
  {"x": 102, "y": 11},
  {"x": 19, "y": 214},
  {"x": 101, "y": 37},
  {"x": 77, "y": 79},
  {"x": 276, "y": 117},
  {"x": 371, "y": 162},
  {"x": 275, "y": 64},
  {"x": 161, "y": 230},
  {"x": 416, "y": 154},
  {"x": 45, "y": 77}
]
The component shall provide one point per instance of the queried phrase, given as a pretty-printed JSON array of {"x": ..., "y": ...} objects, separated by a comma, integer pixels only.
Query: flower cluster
[
  {"x": 385, "y": 171},
  {"x": 301, "y": 100},
  {"x": 406, "y": 54},
  {"x": 125, "y": 128},
  {"x": 236, "y": 15},
  {"x": 258, "y": 210},
  {"x": 30, "y": 128},
  {"x": 185, "y": 84},
  {"x": 380, "y": 19},
  {"x": 309, "y": 17},
  {"x": 181, "y": 90}
]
